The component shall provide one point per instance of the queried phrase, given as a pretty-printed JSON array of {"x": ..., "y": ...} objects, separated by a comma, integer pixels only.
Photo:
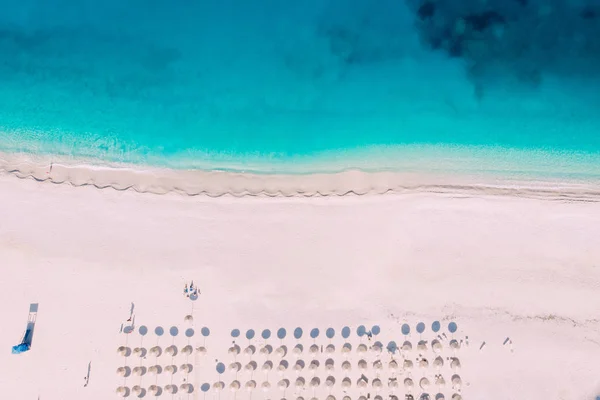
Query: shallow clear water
[{"x": 202, "y": 83}]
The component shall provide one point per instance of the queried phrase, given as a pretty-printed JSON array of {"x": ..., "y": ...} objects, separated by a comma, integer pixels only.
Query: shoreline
[{"x": 410, "y": 175}]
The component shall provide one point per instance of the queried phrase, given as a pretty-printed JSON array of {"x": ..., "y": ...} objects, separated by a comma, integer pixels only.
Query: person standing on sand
[{"x": 185, "y": 291}]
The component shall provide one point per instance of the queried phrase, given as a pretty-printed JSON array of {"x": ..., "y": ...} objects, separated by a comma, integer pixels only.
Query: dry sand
[{"x": 499, "y": 265}]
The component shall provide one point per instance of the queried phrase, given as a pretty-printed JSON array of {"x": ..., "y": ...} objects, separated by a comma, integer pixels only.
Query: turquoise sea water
[{"x": 213, "y": 83}]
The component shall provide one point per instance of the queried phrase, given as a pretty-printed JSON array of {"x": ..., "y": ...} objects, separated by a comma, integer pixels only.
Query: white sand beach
[{"x": 518, "y": 274}]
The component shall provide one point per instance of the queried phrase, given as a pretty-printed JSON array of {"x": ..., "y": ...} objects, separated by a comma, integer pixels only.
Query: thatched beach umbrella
[
  {"x": 436, "y": 345},
  {"x": 123, "y": 391},
  {"x": 298, "y": 349},
  {"x": 362, "y": 348},
  {"x": 124, "y": 351},
  {"x": 234, "y": 350},
  {"x": 250, "y": 385},
  {"x": 139, "y": 371},
  {"x": 440, "y": 396},
  {"x": 266, "y": 386},
  {"x": 377, "y": 348},
  {"x": 235, "y": 367},
  {"x": 454, "y": 363},
  {"x": 456, "y": 382},
  {"x": 189, "y": 318},
  {"x": 155, "y": 390},
  {"x": 438, "y": 362},
  {"x": 187, "y": 368},
  {"x": 393, "y": 365},
  {"x": 346, "y": 348},
  {"x": 454, "y": 344},
  {"x": 346, "y": 398},
  {"x": 123, "y": 371},
  {"x": 266, "y": 350},
  {"x": 422, "y": 345},
  {"x": 330, "y": 381},
  {"x": 406, "y": 346},
  {"x": 201, "y": 350},
  {"x": 423, "y": 363},
  {"x": 283, "y": 384},
  {"x": 315, "y": 381},
  {"x": 377, "y": 364},
  {"x": 377, "y": 384},
  {"x": 393, "y": 383},
  {"x": 218, "y": 386},
  {"x": 187, "y": 350},
  {"x": 299, "y": 365},
  {"x": 456, "y": 396},
  {"x": 281, "y": 351},
  {"x": 138, "y": 391},
  {"x": 424, "y": 383},
  {"x": 171, "y": 351},
  {"x": 171, "y": 389},
  {"x": 251, "y": 366},
  {"x": 250, "y": 350},
  {"x": 139, "y": 352},
  {"x": 330, "y": 397},
  {"x": 186, "y": 388},
  {"x": 408, "y": 383},
  {"x": 314, "y": 364},
  {"x": 330, "y": 349},
  {"x": 283, "y": 366},
  {"x": 346, "y": 366},
  {"x": 235, "y": 386},
  {"x": 268, "y": 365},
  {"x": 362, "y": 364},
  {"x": 314, "y": 350},
  {"x": 361, "y": 383},
  {"x": 408, "y": 364},
  {"x": 440, "y": 381},
  {"x": 346, "y": 383},
  {"x": 300, "y": 382},
  {"x": 156, "y": 351},
  {"x": 155, "y": 370},
  {"x": 329, "y": 364},
  {"x": 171, "y": 369}
]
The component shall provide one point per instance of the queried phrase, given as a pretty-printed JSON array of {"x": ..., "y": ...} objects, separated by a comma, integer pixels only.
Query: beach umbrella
[
  {"x": 123, "y": 371},
  {"x": 438, "y": 362},
  {"x": 346, "y": 366},
  {"x": 220, "y": 385},
  {"x": 454, "y": 363},
  {"x": 171, "y": 351},
  {"x": 251, "y": 385},
  {"x": 266, "y": 386},
  {"x": 281, "y": 351},
  {"x": 155, "y": 369},
  {"x": 346, "y": 383},
  {"x": 423, "y": 363},
  {"x": 234, "y": 350},
  {"x": 377, "y": 384},
  {"x": 406, "y": 346},
  {"x": 187, "y": 368},
  {"x": 251, "y": 366},
  {"x": 314, "y": 349},
  {"x": 392, "y": 383},
  {"x": 250, "y": 350},
  {"x": 265, "y": 350},
  {"x": 187, "y": 350},
  {"x": 283, "y": 365},
  {"x": 424, "y": 383},
  {"x": 408, "y": 383},
  {"x": 361, "y": 383},
  {"x": 155, "y": 390},
  {"x": 315, "y": 381},
  {"x": 378, "y": 397},
  {"x": 377, "y": 364},
  {"x": 454, "y": 344},
  {"x": 300, "y": 382},
  {"x": 299, "y": 366},
  {"x": 235, "y": 367},
  {"x": 123, "y": 391},
  {"x": 300, "y": 398},
  {"x": 456, "y": 396},
  {"x": 139, "y": 352},
  {"x": 422, "y": 345},
  {"x": 189, "y": 318},
  {"x": 330, "y": 381},
  {"x": 330, "y": 349},
  {"x": 201, "y": 350},
  {"x": 439, "y": 396},
  {"x": 436, "y": 346},
  {"x": 235, "y": 386},
  {"x": 139, "y": 371},
  {"x": 346, "y": 398},
  {"x": 362, "y": 348},
  {"x": 440, "y": 381},
  {"x": 329, "y": 364},
  {"x": 124, "y": 351},
  {"x": 171, "y": 369},
  {"x": 330, "y": 397},
  {"x": 267, "y": 366},
  {"x": 362, "y": 398},
  {"x": 456, "y": 382},
  {"x": 283, "y": 384},
  {"x": 186, "y": 388},
  {"x": 138, "y": 391},
  {"x": 156, "y": 351},
  {"x": 408, "y": 364},
  {"x": 377, "y": 347},
  {"x": 171, "y": 389},
  {"x": 314, "y": 364},
  {"x": 362, "y": 364},
  {"x": 393, "y": 365}
]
